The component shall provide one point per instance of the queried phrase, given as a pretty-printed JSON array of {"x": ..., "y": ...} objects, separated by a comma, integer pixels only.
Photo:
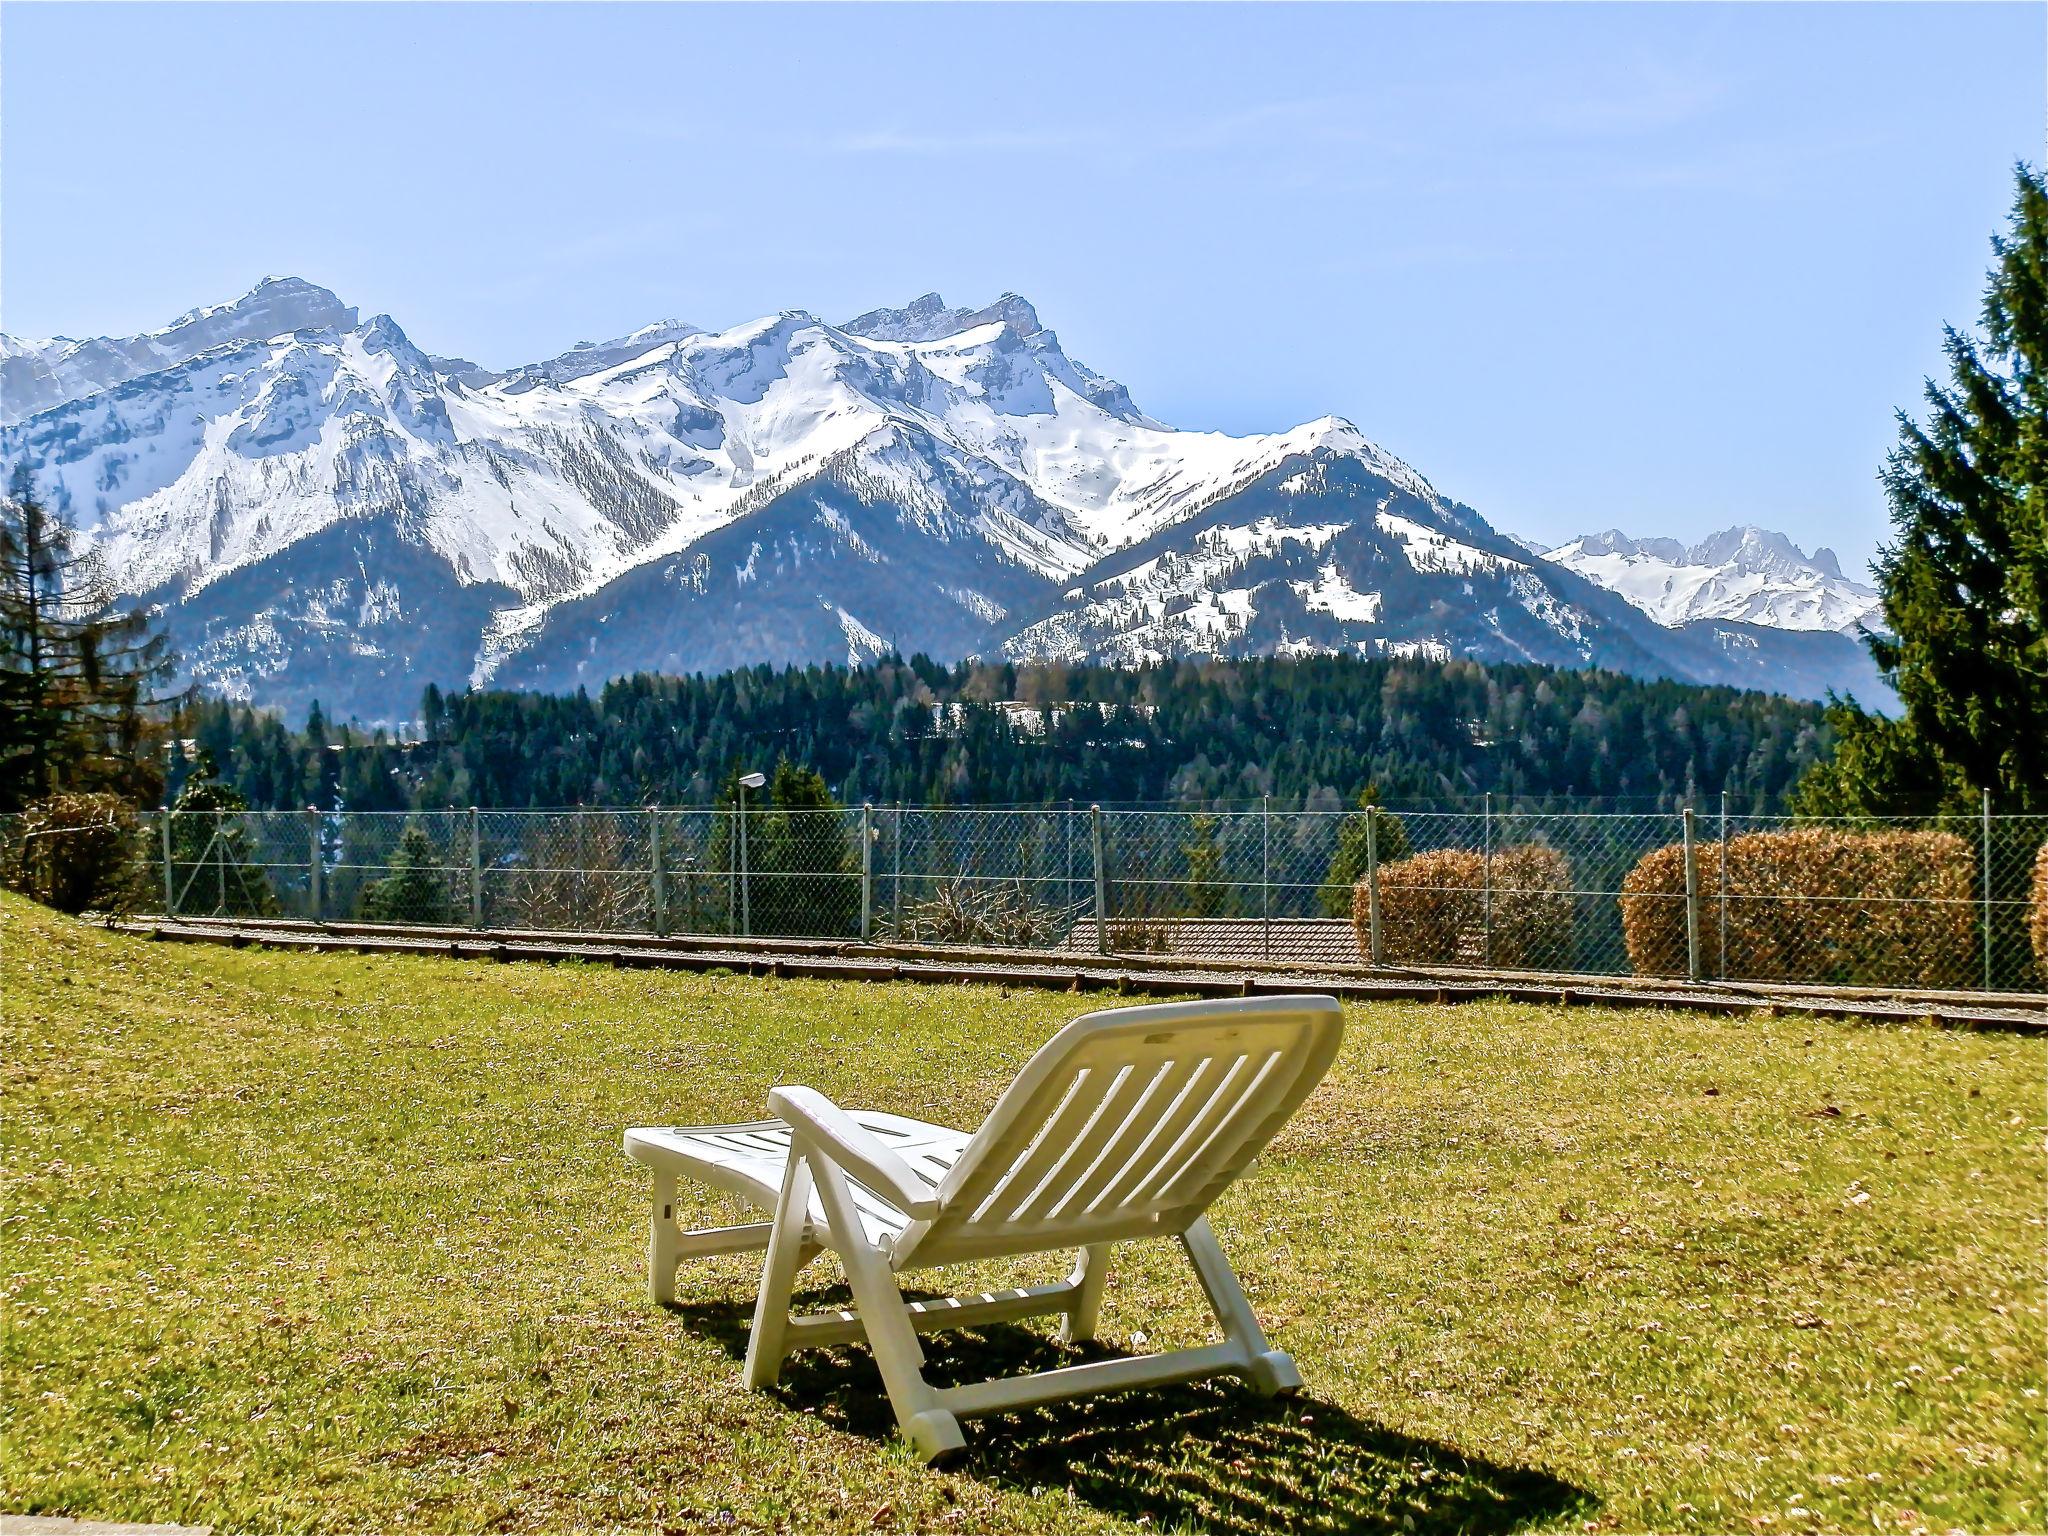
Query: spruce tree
[
  {"x": 77, "y": 673},
  {"x": 216, "y": 867},
  {"x": 803, "y": 875},
  {"x": 1347, "y": 863},
  {"x": 1965, "y": 581},
  {"x": 1205, "y": 888},
  {"x": 416, "y": 890}
]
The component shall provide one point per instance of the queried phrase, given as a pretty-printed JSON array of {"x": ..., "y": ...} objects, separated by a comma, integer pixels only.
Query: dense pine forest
[{"x": 1312, "y": 732}]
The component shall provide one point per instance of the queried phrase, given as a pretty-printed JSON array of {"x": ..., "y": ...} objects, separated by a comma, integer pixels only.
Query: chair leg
[
  {"x": 929, "y": 1427},
  {"x": 1270, "y": 1371},
  {"x": 786, "y": 1255},
  {"x": 661, "y": 1241},
  {"x": 1091, "y": 1269}
]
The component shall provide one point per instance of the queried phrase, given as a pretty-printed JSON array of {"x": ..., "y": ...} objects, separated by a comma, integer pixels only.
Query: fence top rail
[{"x": 1501, "y": 812}]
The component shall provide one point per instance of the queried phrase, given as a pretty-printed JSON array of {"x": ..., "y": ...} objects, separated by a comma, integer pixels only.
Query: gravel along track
[{"x": 1142, "y": 974}]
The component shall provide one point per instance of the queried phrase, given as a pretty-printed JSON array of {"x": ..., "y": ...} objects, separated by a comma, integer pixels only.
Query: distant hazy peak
[
  {"x": 926, "y": 318},
  {"x": 1747, "y": 573},
  {"x": 588, "y": 357},
  {"x": 1615, "y": 542},
  {"x": 652, "y": 335},
  {"x": 275, "y": 306},
  {"x": 35, "y": 376}
]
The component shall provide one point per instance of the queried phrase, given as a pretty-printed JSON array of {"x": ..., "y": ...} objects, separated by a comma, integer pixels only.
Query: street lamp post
[{"x": 747, "y": 781}]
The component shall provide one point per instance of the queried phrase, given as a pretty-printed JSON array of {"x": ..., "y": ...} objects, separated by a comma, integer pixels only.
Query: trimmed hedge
[
  {"x": 1813, "y": 904},
  {"x": 1433, "y": 909}
]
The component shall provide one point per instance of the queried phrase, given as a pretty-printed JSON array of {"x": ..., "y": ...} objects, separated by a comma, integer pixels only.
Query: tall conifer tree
[
  {"x": 1965, "y": 582},
  {"x": 77, "y": 673}
]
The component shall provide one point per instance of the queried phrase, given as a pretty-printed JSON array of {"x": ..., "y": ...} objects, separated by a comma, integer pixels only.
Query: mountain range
[
  {"x": 1745, "y": 573},
  {"x": 319, "y": 509}
]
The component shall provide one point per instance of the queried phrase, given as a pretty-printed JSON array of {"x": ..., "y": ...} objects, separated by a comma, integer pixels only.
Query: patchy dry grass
[{"x": 343, "y": 1243}]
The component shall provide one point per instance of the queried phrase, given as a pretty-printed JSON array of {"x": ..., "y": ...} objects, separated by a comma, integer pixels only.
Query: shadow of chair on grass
[{"x": 1209, "y": 1456}]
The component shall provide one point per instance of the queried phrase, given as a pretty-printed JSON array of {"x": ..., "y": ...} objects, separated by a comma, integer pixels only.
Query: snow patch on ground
[
  {"x": 862, "y": 643},
  {"x": 1416, "y": 650},
  {"x": 507, "y": 632},
  {"x": 1429, "y": 549},
  {"x": 1330, "y": 593}
]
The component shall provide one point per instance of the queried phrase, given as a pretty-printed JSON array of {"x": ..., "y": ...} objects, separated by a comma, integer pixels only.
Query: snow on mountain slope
[
  {"x": 1328, "y": 551},
  {"x": 1748, "y": 574},
  {"x": 301, "y": 493}
]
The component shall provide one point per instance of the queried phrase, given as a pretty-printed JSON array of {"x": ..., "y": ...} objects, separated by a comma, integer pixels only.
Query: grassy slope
[{"x": 348, "y": 1243}]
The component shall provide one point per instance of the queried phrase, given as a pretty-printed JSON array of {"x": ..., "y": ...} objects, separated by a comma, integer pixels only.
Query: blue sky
[{"x": 1664, "y": 267}]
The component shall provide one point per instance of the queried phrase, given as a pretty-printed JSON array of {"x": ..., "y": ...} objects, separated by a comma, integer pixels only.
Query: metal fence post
[
  {"x": 1266, "y": 868},
  {"x": 867, "y": 872},
  {"x": 1692, "y": 899},
  {"x": 476, "y": 869},
  {"x": 582, "y": 885},
  {"x": 896, "y": 873},
  {"x": 746, "y": 890},
  {"x": 1722, "y": 969},
  {"x": 1986, "y": 844},
  {"x": 1376, "y": 950},
  {"x": 657, "y": 873},
  {"x": 170, "y": 895},
  {"x": 1095, "y": 838},
  {"x": 1071, "y": 903},
  {"x": 1486, "y": 881},
  {"x": 316, "y": 908}
]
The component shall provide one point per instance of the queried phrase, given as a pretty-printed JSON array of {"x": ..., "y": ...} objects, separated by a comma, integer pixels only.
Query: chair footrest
[
  {"x": 818, "y": 1329},
  {"x": 1097, "y": 1376},
  {"x": 705, "y": 1242}
]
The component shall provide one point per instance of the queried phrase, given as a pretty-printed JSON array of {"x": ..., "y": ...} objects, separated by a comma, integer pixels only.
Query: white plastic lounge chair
[{"x": 1127, "y": 1124}]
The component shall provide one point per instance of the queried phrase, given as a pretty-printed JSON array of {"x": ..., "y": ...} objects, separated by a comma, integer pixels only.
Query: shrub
[
  {"x": 216, "y": 866},
  {"x": 79, "y": 853},
  {"x": 965, "y": 911},
  {"x": 1653, "y": 911},
  {"x": 416, "y": 890},
  {"x": 1433, "y": 909},
  {"x": 2037, "y": 914},
  {"x": 593, "y": 879},
  {"x": 1816, "y": 904}
]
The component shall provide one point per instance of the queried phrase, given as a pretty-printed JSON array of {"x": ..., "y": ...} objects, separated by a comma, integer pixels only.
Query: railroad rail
[{"x": 1066, "y": 971}]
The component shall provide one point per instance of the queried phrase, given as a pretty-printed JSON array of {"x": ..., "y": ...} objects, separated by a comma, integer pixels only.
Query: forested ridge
[{"x": 1312, "y": 732}]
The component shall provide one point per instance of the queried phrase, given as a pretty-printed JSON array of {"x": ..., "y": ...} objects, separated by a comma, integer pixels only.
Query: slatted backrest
[{"x": 1128, "y": 1123}]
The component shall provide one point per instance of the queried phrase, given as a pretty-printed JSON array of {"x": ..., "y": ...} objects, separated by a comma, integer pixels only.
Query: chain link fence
[{"x": 1943, "y": 902}]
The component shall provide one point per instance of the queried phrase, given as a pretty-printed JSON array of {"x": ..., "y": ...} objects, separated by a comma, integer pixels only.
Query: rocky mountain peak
[{"x": 928, "y": 318}]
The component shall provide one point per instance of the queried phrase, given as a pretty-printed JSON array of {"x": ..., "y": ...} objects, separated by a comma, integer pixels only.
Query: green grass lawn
[{"x": 343, "y": 1243}]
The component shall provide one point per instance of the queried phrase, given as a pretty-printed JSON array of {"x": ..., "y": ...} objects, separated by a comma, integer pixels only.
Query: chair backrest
[{"x": 1128, "y": 1123}]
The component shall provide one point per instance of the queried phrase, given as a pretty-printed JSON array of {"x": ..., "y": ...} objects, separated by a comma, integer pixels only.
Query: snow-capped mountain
[
  {"x": 1744, "y": 573},
  {"x": 324, "y": 510}
]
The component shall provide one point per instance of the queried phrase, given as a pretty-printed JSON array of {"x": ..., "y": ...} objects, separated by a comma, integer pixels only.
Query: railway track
[{"x": 1069, "y": 972}]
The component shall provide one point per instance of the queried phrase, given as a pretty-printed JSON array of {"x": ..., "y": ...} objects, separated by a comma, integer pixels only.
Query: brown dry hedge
[
  {"x": 1812, "y": 904},
  {"x": 1434, "y": 909}
]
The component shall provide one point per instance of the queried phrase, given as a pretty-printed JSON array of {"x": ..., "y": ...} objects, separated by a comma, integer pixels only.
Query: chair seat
[{"x": 748, "y": 1160}]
